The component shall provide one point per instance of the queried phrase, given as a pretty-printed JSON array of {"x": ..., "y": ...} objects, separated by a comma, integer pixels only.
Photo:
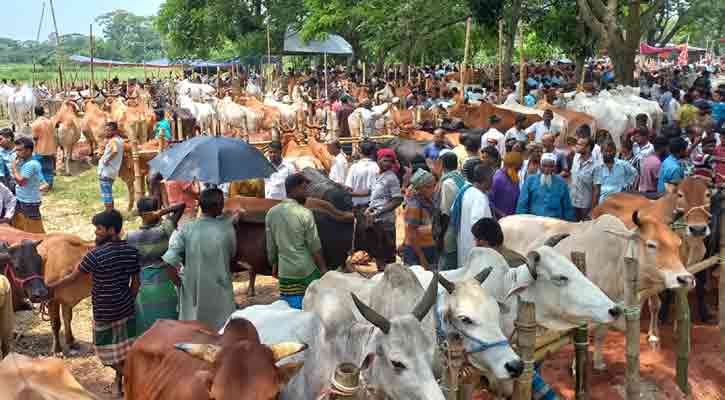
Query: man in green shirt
[{"x": 293, "y": 245}]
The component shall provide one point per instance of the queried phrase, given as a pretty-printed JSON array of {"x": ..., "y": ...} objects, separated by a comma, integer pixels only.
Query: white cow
[
  {"x": 5, "y": 92},
  {"x": 20, "y": 106},
  {"x": 606, "y": 242},
  {"x": 204, "y": 113},
  {"x": 196, "y": 91},
  {"x": 288, "y": 113},
  {"x": 394, "y": 353},
  {"x": 232, "y": 115}
]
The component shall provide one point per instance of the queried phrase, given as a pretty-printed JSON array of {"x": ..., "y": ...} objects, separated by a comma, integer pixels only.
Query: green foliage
[
  {"x": 72, "y": 72},
  {"x": 128, "y": 37}
]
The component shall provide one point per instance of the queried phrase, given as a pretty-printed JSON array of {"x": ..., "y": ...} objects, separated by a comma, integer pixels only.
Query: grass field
[{"x": 75, "y": 72}]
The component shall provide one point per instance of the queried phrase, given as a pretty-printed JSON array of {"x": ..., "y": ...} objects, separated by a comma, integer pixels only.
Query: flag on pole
[{"x": 682, "y": 59}]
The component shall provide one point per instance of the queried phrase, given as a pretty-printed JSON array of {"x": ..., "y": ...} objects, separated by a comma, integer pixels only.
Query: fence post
[
  {"x": 453, "y": 364},
  {"x": 683, "y": 338},
  {"x": 581, "y": 341},
  {"x": 526, "y": 328},
  {"x": 631, "y": 299}
]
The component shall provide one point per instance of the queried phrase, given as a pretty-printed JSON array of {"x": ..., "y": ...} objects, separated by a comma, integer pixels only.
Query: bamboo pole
[
  {"x": 632, "y": 303},
  {"x": 325, "y": 62},
  {"x": 522, "y": 67},
  {"x": 465, "y": 56},
  {"x": 454, "y": 358},
  {"x": 581, "y": 341},
  {"x": 364, "y": 72},
  {"x": 500, "y": 59},
  {"x": 57, "y": 45},
  {"x": 543, "y": 352},
  {"x": 526, "y": 327},
  {"x": 721, "y": 292},
  {"x": 93, "y": 70},
  {"x": 683, "y": 338},
  {"x": 37, "y": 39},
  {"x": 269, "y": 57}
]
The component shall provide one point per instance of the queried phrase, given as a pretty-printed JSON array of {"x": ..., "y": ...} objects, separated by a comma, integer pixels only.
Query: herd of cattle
[{"x": 389, "y": 326}]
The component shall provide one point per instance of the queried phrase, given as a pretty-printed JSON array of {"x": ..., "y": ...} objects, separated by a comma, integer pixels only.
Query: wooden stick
[
  {"x": 631, "y": 289},
  {"x": 57, "y": 46},
  {"x": 522, "y": 67},
  {"x": 693, "y": 269},
  {"x": 93, "y": 70},
  {"x": 683, "y": 338},
  {"x": 543, "y": 352},
  {"x": 500, "y": 59},
  {"x": 581, "y": 340},
  {"x": 465, "y": 56},
  {"x": 526, "y": 326}
]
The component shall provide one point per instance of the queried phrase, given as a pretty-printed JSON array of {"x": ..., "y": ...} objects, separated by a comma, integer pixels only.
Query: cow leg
[
  {"x": 600, "y": 332},
  {"x": 131, "y": 193},
  {"x": 252, "y": 280},
  {"x": 68, "y": 157},
  {"x": 70, "y": 341},
  {"x": 653, "y": 335},
  {"x": 54, "y": 314}
]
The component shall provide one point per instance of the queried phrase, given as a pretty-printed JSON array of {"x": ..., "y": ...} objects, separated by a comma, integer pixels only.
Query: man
[
  {"x": 582, "y": 178},
  {"x": 472, "y": 144},
  {"x": 7, "y": 205},
  {"x": 471, "y": 204},
  {"x": 293, "y": 244},
  {"x": 494, "y": 137},
  {"x": 186, "y": 192},
  {"x": 362, "y": 175},
  {"x": 205, "y": 247},
  {"x": 385, "y": 197},
  {"x": 342, "y": 114},
  {"x": 450, "y": 183},
  {"x": 162, "y": 128},
  {"x": 562, "y": 167},
  {"x": 110, "y": 163},
  {"x": 517, "y": 131},
  {"x": 546, "y": 194},
  {"x": 433, "y": 149},
  {"x": 338, "y": 169},
  {"x": 650, "y": 167},
  {"x": 28, "y": 177},
  {"x": 369, "y": 117},
  {"x": 640, "y": 121},
  {"x": 111, "y": 264},
  {"x": 157, "y": 298},
  {"x": 274, "y": 185},
  {"x": 642, "y": 148},
  {"x": 672, "y": 171},
  {"x": 491, "y": 157},
  {"x": 46, "y": 145},
  {"x": 488, "y": 233},
  {"x": 538, "y": 129},
  {"x": 7, "y": 156},
  {"x": 612, "y": 176}
]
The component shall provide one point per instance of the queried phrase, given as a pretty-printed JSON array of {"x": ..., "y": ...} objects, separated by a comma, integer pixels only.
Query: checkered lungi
[
  {"x": 113, "y": 340},
  {"x": 106, "y": 190}
]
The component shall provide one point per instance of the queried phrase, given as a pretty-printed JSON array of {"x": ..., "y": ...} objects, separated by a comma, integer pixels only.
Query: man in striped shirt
[{"x": 113, "y": 263}]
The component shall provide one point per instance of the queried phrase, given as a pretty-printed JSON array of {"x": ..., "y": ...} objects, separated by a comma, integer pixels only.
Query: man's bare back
[{"x": 44, "y": 135}]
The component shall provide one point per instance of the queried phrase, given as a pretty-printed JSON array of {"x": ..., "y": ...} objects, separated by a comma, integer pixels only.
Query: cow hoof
[
  {"x": 653, "y": 339},
  {"x": 600, "y": 366}
]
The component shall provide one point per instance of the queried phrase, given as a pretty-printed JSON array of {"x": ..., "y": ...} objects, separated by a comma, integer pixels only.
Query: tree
[
  {"x": 675, "y": 16},
  {"x": 620, "y": 29},
  {"x": 128, "y": 37}
]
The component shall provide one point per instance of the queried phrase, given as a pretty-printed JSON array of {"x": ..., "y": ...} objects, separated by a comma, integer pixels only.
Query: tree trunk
[
  {"x": 379, "y": 65},
  {"x": 257, "y": 8},
  {"x": 623, "y": 60},
  {"x": 510, "y": 27}
]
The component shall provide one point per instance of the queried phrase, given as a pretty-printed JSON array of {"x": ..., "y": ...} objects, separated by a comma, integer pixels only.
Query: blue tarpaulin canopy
[
  {"x": 334, "y": 44},
  {"x": 161, "y": 63}
]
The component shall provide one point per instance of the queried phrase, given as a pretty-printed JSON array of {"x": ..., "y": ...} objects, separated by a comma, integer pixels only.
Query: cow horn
[
  {"x": 206, "y": 352},
  {"x": 481, "y": 276},
  {"x": 286, "y": 349},
  {"x": 37, "y": 243},
  {"x": 448, "y": 285},
  {"x": 428, "y": 299},
  {"x": 635, "y": 218},
  {"x": 554, "y": 240},
  {"x": 532, "y": 259},
  {"x": 371, "y": 315}
]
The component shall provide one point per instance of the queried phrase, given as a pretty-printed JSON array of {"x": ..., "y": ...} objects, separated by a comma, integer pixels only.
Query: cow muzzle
[
  {"x": 686, "y": 281},
  {"x": 515, "y": 368},
  {"x": 701, "y": 230}
]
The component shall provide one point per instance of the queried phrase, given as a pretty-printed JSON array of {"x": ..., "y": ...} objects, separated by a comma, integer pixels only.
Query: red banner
[{"x": 682, "y": 59}]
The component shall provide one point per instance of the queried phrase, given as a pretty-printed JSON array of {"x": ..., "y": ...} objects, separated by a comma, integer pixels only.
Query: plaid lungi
[
  {"x": 106, "y": 186},
  {"x": 113, "y": 340}
]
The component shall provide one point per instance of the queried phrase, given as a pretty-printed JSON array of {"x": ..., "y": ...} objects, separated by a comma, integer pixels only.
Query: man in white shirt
[
  {"x": 338, "y": 169},
  {"x": 362, "y": 175},
  {"x": 274, "y": 185},
  {"x": 369, "y": 117},
  {"x": 518, "y": 132},
  {"x": 494, "y": 137},
  {"x": 471, "y": 204},
  {"x": 537, "y": 130}
]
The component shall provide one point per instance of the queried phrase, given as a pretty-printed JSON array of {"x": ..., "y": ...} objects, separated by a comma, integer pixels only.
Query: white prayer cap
[{"x": 548, "y": 157}]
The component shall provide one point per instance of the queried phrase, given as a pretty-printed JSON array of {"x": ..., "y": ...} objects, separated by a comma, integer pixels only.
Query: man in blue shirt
[
  {"x": 432, "y": 150},
  {"x": 28, "y": 176},
  {"x": 162, "y": 126},
  {"x": 613, "y": 175},
  {"x": 7, "y": 156},
  {"x": 672, "y": 171},
  {"x": 546, "y": 194}
]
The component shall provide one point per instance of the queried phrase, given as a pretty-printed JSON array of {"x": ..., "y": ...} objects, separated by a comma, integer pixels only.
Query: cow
[
  {"x": 22, "y": 377},
  {"x": 606, "y": 242},
  {"x": 204, "y": 113},
  {"x": 195, "y": 91},
  {"x": 38, "y": 260},
  {"x": 394, "y": 352},
  {"x": 5, "y": 92},
  {"x": 93, "y": 125},
  {"x": 7, "y": 316},
  {"x": 478, "y": 116},
  {"x": 300, "y": 156},
  {"x": 187, "y": 360},
  {"x": 68, "y": 131},
  {"x": 20, "y": 108}
]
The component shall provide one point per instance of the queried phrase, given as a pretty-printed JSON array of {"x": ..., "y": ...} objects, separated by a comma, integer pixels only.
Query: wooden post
[
  {"x": 269, "y": 58},
  {"x": 631, "y": 302},
  {"x": 465, "y": 56},
  {"x": 721, "y": 292},
  {"x": 454, "y": 358},
  {"x": 325, "y": 62},
  {"x": 526, "y": 327},
  {"x": 57, "y": 46},
  {"x": 137, "y": 177},
  {"x": 500, "y": 59},
  {"x": 93, "y": 70},
  {"x": 522, "y": 67},
  {"x": 581, "y": 340},
  {"x": 683, "y": 338},
  {"x": 364, "y": 71}
]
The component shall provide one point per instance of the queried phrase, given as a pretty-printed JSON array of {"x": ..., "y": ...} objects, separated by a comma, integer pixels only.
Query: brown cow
[
  {"x": 68, "y": 131},
  {"x": 299, "y": 155},
  {"x": 22, "y": 377},
  {"x": 93, "y": 124},
  {"x": 185, "y": 360},
  {"x": 477, "y": 116},
  {"x": 7, "y": 316}
]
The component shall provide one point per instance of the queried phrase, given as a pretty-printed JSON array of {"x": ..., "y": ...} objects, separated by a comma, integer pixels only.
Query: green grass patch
[{"x": 75, "y": 72}]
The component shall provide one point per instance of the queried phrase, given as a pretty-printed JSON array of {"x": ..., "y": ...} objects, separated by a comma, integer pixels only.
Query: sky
[{"x": 19, "y": 18}]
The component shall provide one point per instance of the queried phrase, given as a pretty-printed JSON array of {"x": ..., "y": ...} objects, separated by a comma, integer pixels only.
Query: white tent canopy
[{"x": 334, "y": 44}]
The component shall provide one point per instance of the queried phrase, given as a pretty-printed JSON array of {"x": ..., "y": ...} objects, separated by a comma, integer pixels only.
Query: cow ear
[
  {"x": 368, "y": 361},
  {"x": 287, "y": 372}
]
